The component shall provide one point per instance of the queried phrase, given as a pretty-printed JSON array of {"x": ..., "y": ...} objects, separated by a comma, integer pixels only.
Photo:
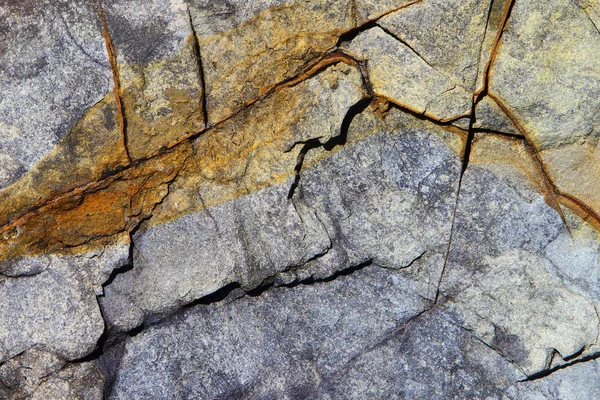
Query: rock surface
[{"x": 291, "y": 199}]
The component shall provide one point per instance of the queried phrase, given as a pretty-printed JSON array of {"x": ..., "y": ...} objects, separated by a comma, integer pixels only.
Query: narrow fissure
[
  {"x": 408, "y": 46},
  {"x": 371, "y": 23},
  {"x": 584, "y": 9},
  {"x": 103, "y": 340},
  {"x": 464, "y": 164},
  {"x": 494, "y": 349},
  {"x": 230, "y": 292},
  {"x": 551, "y": 189},
  {"x": 328, "y": 59},
  {"x": 112, "y": 58},
  {"x": 354, "y": 32},
  {"x": 201, "y": 75},
  {"x": 485, "y": 31},
  {"x": 338, "y": 140},
  {"x": 546, "y": 372},
  {"x": 234, "y": 289},
  {"x": 494, "y": 50},
  {"x": 310, "y": 144},
  {"x": 509, "y": 135}
]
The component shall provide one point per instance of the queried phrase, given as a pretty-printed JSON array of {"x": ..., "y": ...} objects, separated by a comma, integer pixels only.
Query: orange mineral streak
[
  {"x": 90, "y": 152},
  {"x": 112, "y": 58},
  {"x": 87, "y": 217},
  {"x": 88, "y": 189},
  {"x": 508, "y": 154},
  {"x": 246, "y": 152},
  {"x": 502, "y": 25},
  {"x": 554, "y": 196},
  {"x": 581, "y": 210}
]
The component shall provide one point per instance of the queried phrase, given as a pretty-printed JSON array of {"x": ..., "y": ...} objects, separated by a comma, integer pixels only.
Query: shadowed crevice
[
  {"x": 544, "y": 373},
  {"x": 494, "y": 50},
  {"x": 371, "y": 23},
  {"x": 335, "y": 141}
]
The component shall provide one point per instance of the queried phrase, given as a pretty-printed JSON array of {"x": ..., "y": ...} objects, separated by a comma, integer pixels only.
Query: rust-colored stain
[
  {"x": 104, "y": 195},
  {"x": 112, "y": 58},
  {"x": 106, "y": 178},
  {"x": 86, "y": 217}
]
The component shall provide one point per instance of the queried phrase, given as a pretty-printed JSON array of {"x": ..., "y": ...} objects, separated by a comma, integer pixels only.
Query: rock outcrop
[{"x": 299, "y": 199}]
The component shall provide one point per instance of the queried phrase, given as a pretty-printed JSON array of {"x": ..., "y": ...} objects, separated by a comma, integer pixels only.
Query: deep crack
[
  {"x": 338, "y": 140},
  {"x": 201, "y": 75}
]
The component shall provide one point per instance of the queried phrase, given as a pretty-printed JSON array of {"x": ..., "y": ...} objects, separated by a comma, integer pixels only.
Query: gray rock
[
  {"x": 387, "y": 198},
  {"x": 332, "y": 335},
  {"x": 502, "y": 281},
  {"x": 362, "y": 204},
  {"x": 145, "y": 31},
  {"x": 55, "y": 305},
  {"x": 296, "y": 220},
  {"x": 247, "y": 239},
  {"x": 37, "y": 374},
  {"x": 430, "y": 357},
  {"x": 244, "y": 241},
  {"x": 358, "y": 336},
  {"x": 574, "y": 257},
  {"x": 579, "y": 381},
  {"x": 53, "y": 67}
]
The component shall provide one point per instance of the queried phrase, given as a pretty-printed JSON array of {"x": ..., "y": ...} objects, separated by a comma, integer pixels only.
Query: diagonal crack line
[
  {"x": 546, "y": 372},
  {"x": 399, "y": 330},
  {"x": 397, "y": 38},
  {"x": 551, "y": 188},
  {"x": 311, "y": 280},
  {"x": 485, "y": 31},
  {"x": 447, "y": 255},
  {"x": 584, "y": 9},
  {"x": 405, "y": 43},
  {"x": 494, "y": 50},
  {"x": 326, "y": 60},
  {"x": 103, "y": 340},
  {"x": 494, "y": 349},
  {"x": 112, "y": 58},
  {"x": 78, "y": 45},
  {"x": 201, "y": 75},
  {"x": 514, "y": 136},
  {"x": 224, "y": 295},
  {"x": 370, "y": 23},
  {"x": 338, "y": 140},
  {"x": 464, "y": 164},
  {"x": 419, "y": 115}
]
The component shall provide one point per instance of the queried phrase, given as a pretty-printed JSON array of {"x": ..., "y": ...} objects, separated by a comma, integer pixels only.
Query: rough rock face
[{"x": 299, "y": 199}]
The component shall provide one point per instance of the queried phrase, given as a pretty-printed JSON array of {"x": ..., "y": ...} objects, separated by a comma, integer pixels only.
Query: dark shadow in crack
[{"x": 338, "y": 140}]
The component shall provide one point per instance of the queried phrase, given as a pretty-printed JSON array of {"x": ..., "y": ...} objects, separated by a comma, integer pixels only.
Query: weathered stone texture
[{"x": 299, "y": 199}]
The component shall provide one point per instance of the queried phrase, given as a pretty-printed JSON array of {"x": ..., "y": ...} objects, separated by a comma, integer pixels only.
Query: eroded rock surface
[{"x": 291, "y": 199}]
